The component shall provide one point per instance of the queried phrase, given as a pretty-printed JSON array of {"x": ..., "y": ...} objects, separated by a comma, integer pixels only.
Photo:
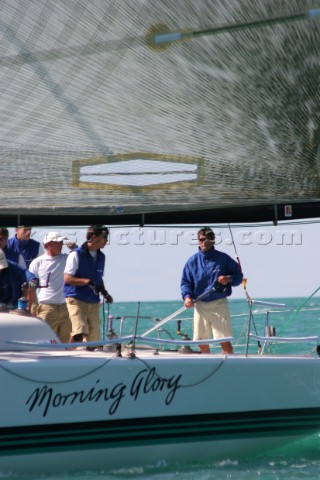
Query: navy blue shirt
[
  {"x": 202, "y": 271},
  {"x": 11, "y": 280},
  {"x": 89, "y": 267},
  {"x": 29, "y": 249}
]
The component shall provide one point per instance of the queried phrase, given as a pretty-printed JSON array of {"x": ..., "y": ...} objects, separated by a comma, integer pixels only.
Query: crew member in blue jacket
[
  {"x": 12, "y": 281},
  {"x": 83, "y": 277},
  {"x": 213, "y": 271},
  {"x": 23, "y": 244},
  {"x": 14, "y": 257}
]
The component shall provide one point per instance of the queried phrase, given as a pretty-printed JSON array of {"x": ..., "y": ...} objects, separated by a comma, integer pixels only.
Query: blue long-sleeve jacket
[
  {"x": 11, "y": 280},
  {"x": 29, "y": 249},
  {"x": 202, "y": 271}
]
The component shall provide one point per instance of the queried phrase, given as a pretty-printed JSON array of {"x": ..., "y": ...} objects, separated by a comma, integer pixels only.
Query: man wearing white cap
[
  {"x": 46, "y": 274},
  {"x": 12, "y": 277}
]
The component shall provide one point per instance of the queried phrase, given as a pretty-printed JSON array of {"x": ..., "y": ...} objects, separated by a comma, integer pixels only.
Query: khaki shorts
[
  {"x": 85, "y": 318},
  {"x": 34, "y": 307},
  {"x": 212, "y": 320},
  {"x": 57, "y": 317}
]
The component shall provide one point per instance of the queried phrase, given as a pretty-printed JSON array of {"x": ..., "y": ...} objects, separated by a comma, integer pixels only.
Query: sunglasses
[{"x": 205, "y": 239}]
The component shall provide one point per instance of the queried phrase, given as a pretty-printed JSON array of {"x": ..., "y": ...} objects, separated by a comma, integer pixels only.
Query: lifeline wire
[{"x": 295, "y": 313}]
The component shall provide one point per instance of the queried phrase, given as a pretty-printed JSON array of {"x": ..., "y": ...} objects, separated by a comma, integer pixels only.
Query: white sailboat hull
[{"x": 105, "y": 412}]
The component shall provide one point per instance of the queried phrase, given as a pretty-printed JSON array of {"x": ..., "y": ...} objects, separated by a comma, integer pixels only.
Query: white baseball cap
[
  {"x": 3, "y": 260},
  {"x": 53, "y": 237}
]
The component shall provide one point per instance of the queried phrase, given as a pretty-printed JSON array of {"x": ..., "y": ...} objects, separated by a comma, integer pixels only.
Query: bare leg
[
  {"x": 76, "y": 338},
  {"x": 227, "y": 348},
  {"x": 204, "y": 348}
]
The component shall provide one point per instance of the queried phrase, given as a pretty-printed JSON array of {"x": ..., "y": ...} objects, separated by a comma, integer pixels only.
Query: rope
[
  {"x": 234, "y": 246},
  {"x": 244, "y": 281},
  {"x": 295, "y": 313},
  {"x": 104, "y": 319},
  {"x": 244, "y": 284},
  {"x": 198, "y": 382},
  {"x": 54, "y": 382},
  {"x": 104, "y": 364}
]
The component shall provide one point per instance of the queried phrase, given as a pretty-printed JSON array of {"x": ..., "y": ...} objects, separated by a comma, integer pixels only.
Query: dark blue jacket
[
  {"x": 11, "y": 280},
  {"x": 202, "y": 271},
  {"x": 88, "y": 268},
  {"x": 11, "y": 255},
  {"x": 29, "y": 249}
]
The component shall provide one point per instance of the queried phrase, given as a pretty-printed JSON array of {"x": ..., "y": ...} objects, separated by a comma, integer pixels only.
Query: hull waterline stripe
[{"x": 140, "y": 432}]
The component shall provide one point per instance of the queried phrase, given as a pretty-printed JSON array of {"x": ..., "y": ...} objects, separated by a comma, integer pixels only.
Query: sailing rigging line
[
  {"x": 297, "y": 310},
  {"x": 170, "y": 37},
  {"x": 244, "y": 284},
  {"x": 234, "y": 246},
  {"x": 194, "y": 384},
  {"x": 174, "y": 314},
  {"x": 104, "y": 318},
  {"x": 58, "y": 381},
  {"x": 244, "y": 281},
  {"x": 266, "y": 224}
]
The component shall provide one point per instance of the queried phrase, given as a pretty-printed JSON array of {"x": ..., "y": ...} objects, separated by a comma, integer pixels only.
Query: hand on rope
[
  {"x": 97, "y": 290},
  {"x": 108, "y": 298}
]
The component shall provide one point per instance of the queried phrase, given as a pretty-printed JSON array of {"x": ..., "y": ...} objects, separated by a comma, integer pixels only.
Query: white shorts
[{"x": 212, "y": 320}]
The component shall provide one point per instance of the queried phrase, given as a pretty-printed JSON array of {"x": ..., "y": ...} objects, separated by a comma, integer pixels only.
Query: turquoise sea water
[
  {"x": 297, "y": 462},
  {"x": 290, "y": 317}
]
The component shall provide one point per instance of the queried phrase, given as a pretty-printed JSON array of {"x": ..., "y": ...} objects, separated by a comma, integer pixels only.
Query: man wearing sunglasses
[
  {"x": 83, "y": 277},
  {"x": 210, "y": 270}
]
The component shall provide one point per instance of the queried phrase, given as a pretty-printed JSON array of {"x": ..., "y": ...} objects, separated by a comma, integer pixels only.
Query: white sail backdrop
[{"x": 95, "y": 115}]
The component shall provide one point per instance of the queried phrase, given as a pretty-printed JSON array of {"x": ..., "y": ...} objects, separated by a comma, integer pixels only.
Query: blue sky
[{"x": 145, "y": 264}]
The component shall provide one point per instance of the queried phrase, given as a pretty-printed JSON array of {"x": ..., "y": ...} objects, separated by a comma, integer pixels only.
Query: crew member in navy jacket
[
  {"x": 13, "y": 256},
  {"x": 12, "y": 281},
  {"x": 23, "y": 244},
  {"x": 213, "y": 271},
  {"x": 83, "y": 277}
]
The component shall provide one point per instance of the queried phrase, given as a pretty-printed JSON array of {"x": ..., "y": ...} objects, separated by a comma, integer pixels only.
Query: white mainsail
[{"x": 84, "y": 84}]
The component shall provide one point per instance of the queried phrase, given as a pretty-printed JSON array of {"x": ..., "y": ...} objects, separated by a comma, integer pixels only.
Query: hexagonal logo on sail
[{"x": 137, "y": 171}]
